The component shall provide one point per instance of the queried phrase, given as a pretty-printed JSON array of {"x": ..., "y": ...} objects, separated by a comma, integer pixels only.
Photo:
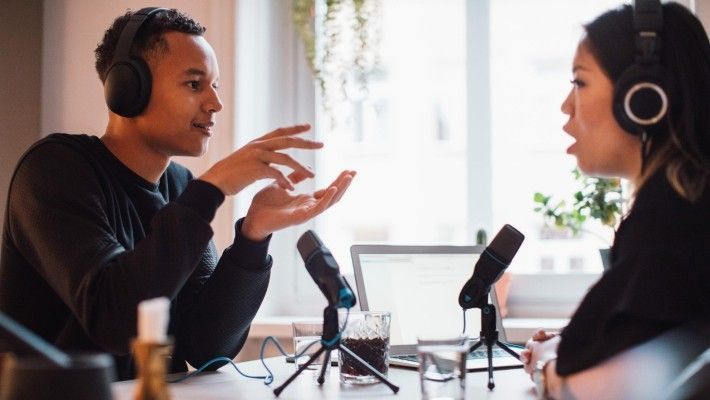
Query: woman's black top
[{"x": 659, "y": 279}]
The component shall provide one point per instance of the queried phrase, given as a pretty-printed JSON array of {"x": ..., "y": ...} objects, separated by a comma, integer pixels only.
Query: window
[
  {"x": 461, "y": 128},
  {"x": 411, "y": 140},
  {"x": 408, "y": 139}
]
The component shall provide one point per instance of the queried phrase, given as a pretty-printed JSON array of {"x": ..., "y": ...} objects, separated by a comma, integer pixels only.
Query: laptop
[{"x": 420, "y": 286}]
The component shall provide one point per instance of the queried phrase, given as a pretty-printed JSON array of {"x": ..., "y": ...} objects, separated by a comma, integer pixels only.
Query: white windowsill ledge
[{"x": 518, "y": 330}]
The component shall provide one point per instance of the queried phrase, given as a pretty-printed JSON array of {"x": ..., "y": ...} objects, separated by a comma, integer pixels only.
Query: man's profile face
[{"x": 179, "y": 118}]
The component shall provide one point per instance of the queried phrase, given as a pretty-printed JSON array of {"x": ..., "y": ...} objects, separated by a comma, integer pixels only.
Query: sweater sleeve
[
  {"x": 217, "y": 307},
  {"x": 61, "y": 224}
]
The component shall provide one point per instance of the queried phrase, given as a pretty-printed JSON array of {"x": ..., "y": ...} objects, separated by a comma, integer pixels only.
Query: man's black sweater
[{"x": 86, "y": 239}]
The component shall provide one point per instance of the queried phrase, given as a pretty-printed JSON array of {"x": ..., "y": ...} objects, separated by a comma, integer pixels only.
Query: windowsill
[
  {"x": 547, "y": 295},
  {"x": 518, "y": 330},
  {"x": 278, "y": 326}
]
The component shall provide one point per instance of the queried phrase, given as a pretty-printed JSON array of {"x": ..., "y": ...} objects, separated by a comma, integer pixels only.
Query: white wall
[
  {"x": 702, "y": 9},
  {"x": 20, "y": 67},
  {"x": 72, "y": 94}
]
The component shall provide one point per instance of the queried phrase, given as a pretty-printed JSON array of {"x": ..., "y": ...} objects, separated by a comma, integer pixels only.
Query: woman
[{"x": 660, "y": 275}]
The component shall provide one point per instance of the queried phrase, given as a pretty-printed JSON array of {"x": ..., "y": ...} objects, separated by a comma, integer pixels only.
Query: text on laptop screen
[{"x": 421, "y": 291}]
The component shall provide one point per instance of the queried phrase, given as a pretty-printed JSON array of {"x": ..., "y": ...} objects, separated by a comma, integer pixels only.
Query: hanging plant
[
  {"x": 345, "y": 56},
  {"x": 367, "y": 29},
  {"x": 304, "y": 21}
]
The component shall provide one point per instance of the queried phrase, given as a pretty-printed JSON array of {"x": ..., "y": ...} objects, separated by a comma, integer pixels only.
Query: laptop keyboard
[{"x": 471, "y": 356}]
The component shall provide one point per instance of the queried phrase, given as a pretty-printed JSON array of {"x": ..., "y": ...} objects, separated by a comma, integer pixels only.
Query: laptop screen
[{"x": 420, "y": 286}]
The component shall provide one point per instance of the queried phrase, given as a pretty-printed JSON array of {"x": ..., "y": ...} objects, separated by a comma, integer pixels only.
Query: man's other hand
[{"x": 274, "y": 208}]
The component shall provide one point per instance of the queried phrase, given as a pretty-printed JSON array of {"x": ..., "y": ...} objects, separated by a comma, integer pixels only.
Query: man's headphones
[
  {"x": 640, "y": 99},
  {"x": 128, "y": 80}
]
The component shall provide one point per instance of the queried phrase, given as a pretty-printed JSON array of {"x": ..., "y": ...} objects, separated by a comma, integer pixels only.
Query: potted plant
[{"x": 598, "y": 198}]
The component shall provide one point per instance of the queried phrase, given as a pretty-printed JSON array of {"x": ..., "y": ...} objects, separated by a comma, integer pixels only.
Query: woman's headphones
[
  {"x": 128, "y": 80},
  {"x": 640, "y": 96}
]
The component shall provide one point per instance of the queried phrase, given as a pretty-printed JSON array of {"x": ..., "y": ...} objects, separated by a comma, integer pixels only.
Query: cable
[
  {"x": 464, "y": 321},
  {"x": 210, "y": 362},
  {"x": 347, "y": 316},
  {"x": 269, "y": 378}
]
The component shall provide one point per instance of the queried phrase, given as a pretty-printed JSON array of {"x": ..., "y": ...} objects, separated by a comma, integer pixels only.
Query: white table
[{"x": 227, "y": 384}]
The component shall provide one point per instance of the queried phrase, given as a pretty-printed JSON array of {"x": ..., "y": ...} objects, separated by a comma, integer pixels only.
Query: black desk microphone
[
  {"x": 30, "y": 343},
  {"x": 324, "y": 270},
  {"x": 38, "y": 370},
  {"x": 490, "y": 266}
]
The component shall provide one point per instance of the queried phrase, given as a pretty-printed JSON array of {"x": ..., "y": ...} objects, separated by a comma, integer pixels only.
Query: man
[{"x": 94, "y": 226}]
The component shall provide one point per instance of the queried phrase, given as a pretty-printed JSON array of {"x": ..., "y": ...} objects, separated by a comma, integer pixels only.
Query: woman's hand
[{"x": 542, "y": 345}]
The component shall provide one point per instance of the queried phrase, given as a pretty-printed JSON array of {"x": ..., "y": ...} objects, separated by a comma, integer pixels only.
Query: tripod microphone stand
[
  {"x": 329, "y": 342},
  {"x": 324, "y": 270},
  {"x": 489, "y": 337},
  {"x": 494, "y": 259}
]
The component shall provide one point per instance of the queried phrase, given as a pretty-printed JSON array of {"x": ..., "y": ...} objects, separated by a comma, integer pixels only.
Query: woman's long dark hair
[{"x": 681, "y": 143}]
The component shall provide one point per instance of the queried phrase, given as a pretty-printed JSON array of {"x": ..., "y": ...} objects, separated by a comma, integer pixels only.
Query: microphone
[
  {"x": 27, "y": 342},
  {"x": 490, "y": 266},
  {"x": 37, "y": 363},
  {"x": 324, "y": 270}
]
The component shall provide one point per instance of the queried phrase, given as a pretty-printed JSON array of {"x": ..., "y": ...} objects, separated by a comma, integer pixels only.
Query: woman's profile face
[{"x": 601, "y": 146}]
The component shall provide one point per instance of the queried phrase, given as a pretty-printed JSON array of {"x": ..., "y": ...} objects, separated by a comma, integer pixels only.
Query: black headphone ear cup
[
  {"x": 127, "y": 87},
  {"x": 640, "y": 98}
]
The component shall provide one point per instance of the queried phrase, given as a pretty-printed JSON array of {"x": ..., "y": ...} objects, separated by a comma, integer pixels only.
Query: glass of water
[
  {"x": 442, "y": 367},
  {"x": 305, "y": 334}
]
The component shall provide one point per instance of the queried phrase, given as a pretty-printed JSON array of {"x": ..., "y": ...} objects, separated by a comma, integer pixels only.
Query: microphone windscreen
[
  {"x": 506, "y": 244},
  {"x": 307, "y": 244}
]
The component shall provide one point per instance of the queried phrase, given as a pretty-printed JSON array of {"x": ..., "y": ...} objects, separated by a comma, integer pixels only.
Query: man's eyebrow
[{"x": 195, "y": 71}]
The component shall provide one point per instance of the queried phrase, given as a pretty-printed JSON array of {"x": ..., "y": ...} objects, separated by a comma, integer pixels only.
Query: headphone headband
[
  {"x": 648, "y": 15},
  {"x": 648, "y": 22},
  {"x": 125, "y": 41}
]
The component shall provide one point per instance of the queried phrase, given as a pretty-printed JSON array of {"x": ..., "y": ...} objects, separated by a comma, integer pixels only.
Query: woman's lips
[{"x": 570, "y": 149}]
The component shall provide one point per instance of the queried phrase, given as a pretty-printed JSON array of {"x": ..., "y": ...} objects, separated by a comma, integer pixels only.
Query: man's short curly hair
[{"x": 149, "y": 40}]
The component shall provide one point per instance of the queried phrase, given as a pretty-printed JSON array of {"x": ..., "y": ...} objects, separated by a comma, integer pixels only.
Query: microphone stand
[
  {"x": 330, "y": 340},
  {"x": 489, "y": 337}
]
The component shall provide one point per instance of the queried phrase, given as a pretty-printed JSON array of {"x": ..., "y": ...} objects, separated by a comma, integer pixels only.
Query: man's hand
[
  {"x": 274, "y": 208},
  {"x": 253, "y": 161}
]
